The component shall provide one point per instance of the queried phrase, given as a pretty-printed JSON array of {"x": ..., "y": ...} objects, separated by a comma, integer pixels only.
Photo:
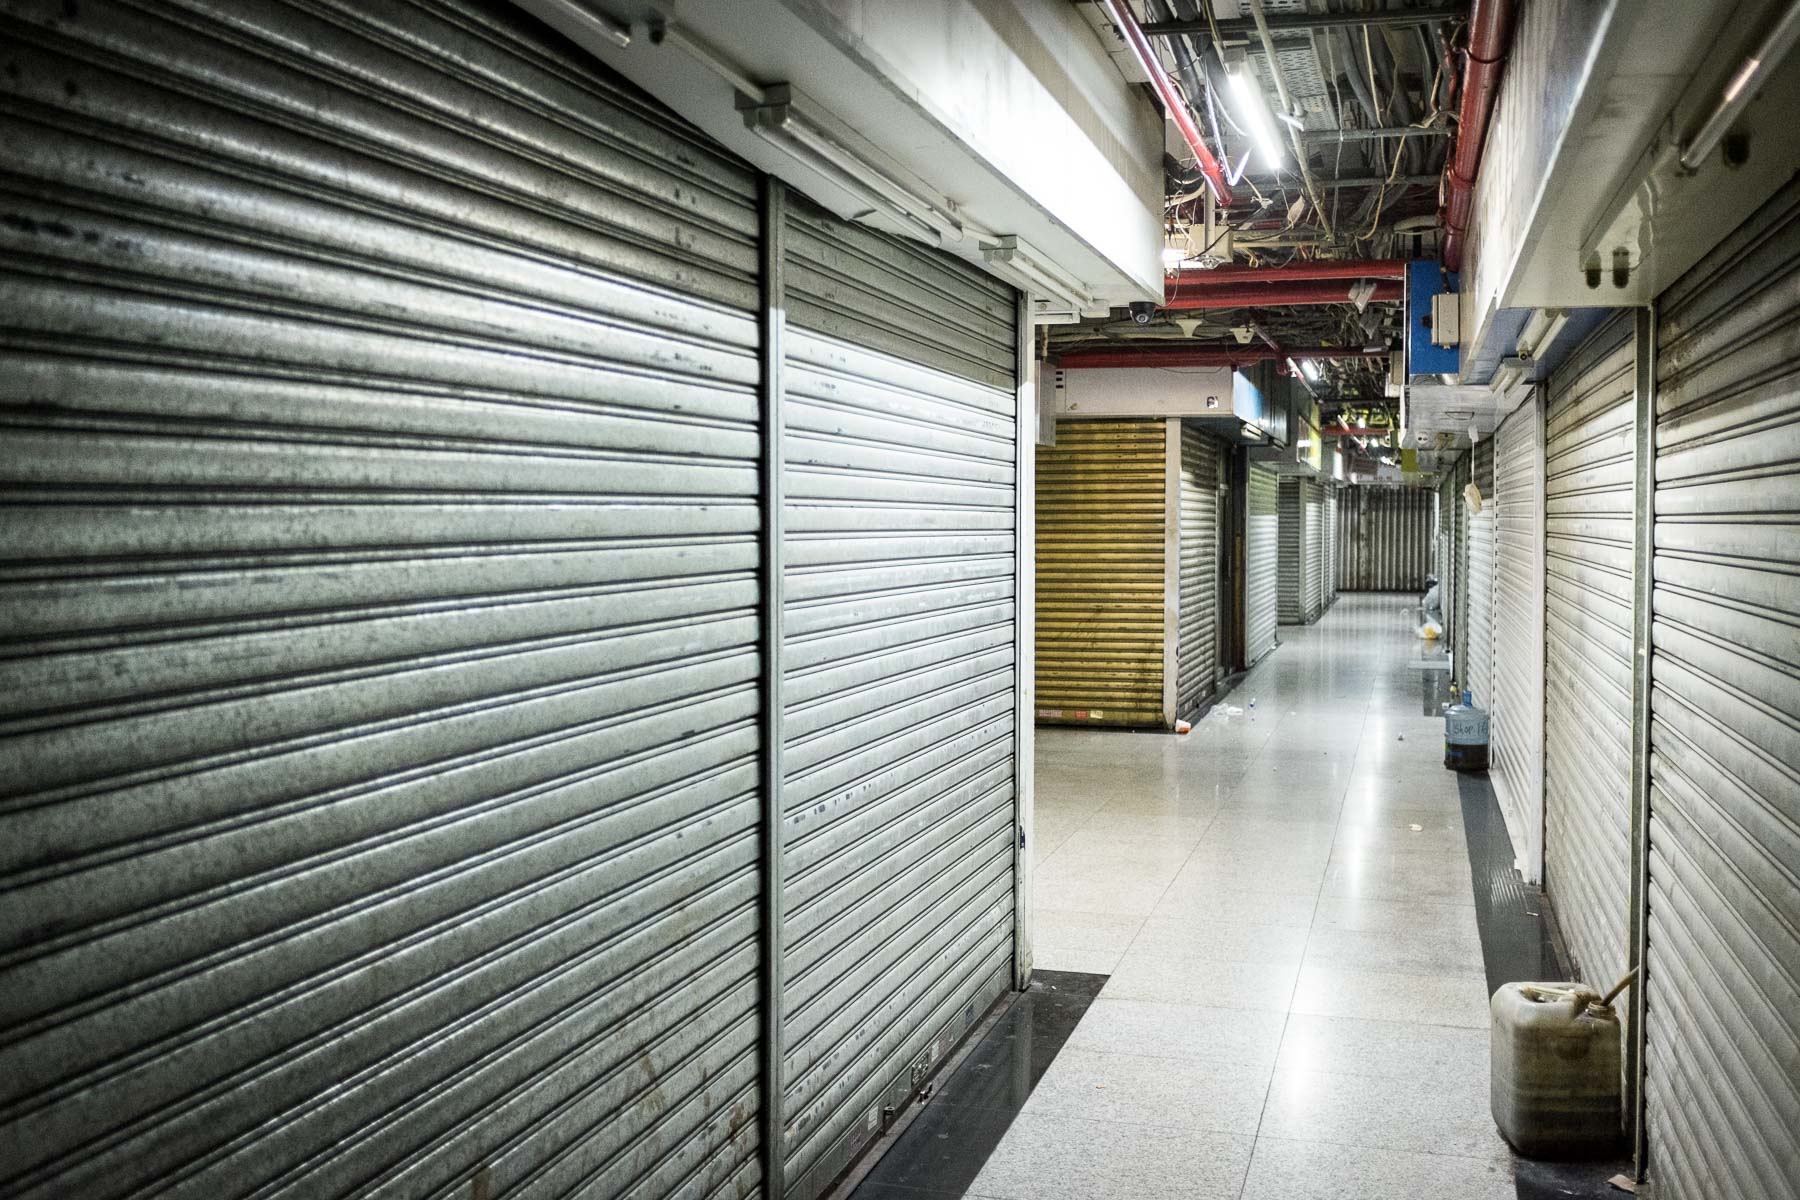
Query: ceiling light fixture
[
  {"x": 1541, "y": 331},
  {"x": 1252, "y": 108}
]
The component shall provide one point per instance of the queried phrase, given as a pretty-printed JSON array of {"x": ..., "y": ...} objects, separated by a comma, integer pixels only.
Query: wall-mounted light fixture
[
  {"x": 1012, "y": 258},
  {"x": 776, "y": 116}
]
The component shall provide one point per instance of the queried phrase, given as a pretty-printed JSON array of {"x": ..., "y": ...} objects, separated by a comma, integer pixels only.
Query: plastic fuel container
[
  {"x": 1465, "y": 736},
  {"x": 1554, "y": 1075}
]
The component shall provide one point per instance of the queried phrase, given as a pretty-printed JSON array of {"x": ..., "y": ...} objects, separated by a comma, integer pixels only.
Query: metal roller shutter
[
  {"x": 1723, "y": 1026},
  {"x": 1457, "y": 516},
  {"x": 1199, "y": 540},
  {"x": 1588, "y": 475},
  {"x": 1262, "y": 535},
  {"x": 1517, "y": 730},
  {"x": 1447, "y": 523},
  {"x": 1293, "y": 553},
  {"x": 1100, "y": 583},
  {"x": 384, "y": 820},
  {"x": 1386, "y": 532},
  {"x": 1313, "y": 496},
  {"x": 898, "y": 674},
  {"x": 1332, "y": 544},
  {"x": 1480, "y": 681}
]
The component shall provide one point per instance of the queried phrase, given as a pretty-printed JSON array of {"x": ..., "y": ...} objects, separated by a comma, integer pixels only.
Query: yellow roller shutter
[{"x": 1100, "y": 581}]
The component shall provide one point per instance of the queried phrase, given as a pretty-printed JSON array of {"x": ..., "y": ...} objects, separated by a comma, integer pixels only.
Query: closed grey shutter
[
  {"x": 1387, "y": 538},
  {"x": 1480, "y": 682},
  {"x": 1313, "y": 495},
  {"x": 1447, "y": 524},
  {"x": 899, "y": 586},
  {"x": 1517, "y": 730},
  {"x": 1293, "y": 553},
  {"x": 381, "y": 596},
  {"x": 1723, "y": 1023},
  {"x": 1198, "y": 634},
  {"x": 1457, "y": 517},
  {"x": 1588, "y": 473},
  {"x": 1261, "y": 538},
  {"x": 1333, "y": 542}
]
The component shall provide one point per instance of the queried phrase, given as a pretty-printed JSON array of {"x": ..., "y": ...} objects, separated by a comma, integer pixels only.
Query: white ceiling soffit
[
  {"x": 1581, "y": 156},
  {"x": 1006, "y": 115}
]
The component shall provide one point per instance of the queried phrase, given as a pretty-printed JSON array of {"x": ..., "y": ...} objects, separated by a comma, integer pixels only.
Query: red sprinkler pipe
[
  {"x": 1369, "y": 268},
  {"x": 1200, "y": 356},
  {"x": 1490, "y": 36},
  {"x": 1182, "y": 297},
  {"x": 1173, "y": 101}
]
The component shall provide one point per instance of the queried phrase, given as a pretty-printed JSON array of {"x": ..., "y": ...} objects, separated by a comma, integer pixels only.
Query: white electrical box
[{"x": 1446, "y": 320}]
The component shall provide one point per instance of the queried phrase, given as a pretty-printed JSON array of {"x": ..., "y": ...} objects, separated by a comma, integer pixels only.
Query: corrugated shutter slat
[
  {"x": 1198, "y": 652},
  {"x": 1101, "y": 538},
  {"x": 1589, "y": 472},
  {"x": 1517, "y": 730},
  {"x": 1723, "y": 1023},
  {"x": 1262, "y": 536},
  {"x": 899, "y": 596},
  {"x": 380, "y": 566}
]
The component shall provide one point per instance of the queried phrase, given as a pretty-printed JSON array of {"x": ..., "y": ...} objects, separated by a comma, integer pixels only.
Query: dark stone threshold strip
[
  {"x": 1519, "y": 942},
  {"x": 938, "y": 1155}
]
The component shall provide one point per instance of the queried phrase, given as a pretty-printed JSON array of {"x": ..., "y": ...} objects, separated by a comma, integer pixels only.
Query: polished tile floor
[{"x": 1282, "y": 900}]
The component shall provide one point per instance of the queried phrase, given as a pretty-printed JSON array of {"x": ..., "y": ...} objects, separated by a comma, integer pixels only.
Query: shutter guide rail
[{"x": 774, "y": 510}]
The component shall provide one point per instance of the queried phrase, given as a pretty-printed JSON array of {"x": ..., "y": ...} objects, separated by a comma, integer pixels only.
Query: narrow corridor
[{"x": 1282, "y": 900}]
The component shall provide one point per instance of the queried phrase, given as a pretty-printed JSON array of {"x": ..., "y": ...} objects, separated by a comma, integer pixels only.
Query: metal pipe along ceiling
[
  {"x": 1202, "y": 356},
  {"x": 1173, "y": 100},
  {"x": 1366, "y": 268},
  {"x": 1272, "y": 295},
  {"x": 1490, "y": 36}
]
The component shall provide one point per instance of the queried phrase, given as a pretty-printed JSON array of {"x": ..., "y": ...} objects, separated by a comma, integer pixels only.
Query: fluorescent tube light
[
  {"x": 1253, "y": 109},
  {"x": 774, "y": 116},
  {"x": 1010, "y": 255}
]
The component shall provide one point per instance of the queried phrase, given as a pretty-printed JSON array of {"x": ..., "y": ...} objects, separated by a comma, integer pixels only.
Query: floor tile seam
[
  {"x": 1160, "y": 896},
  {"x": 1468, "y": 1158},
  {"x": 1165, "y": 1057},
  {"x": 1116, "y": 1123},
  {"x": 1263, "y": 1112},
  {"x": 1306, "y": 1012},
  {"x": 1476, "y": 1159},
  {"x": 1308, "y": 961},
  {"x": 1438, "y": 1076}
]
